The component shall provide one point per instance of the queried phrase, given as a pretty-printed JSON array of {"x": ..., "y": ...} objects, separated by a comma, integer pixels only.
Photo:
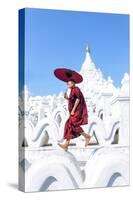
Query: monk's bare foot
[
  {"x": 63, "y": 146},
  {"x": 87, "y": 140}
]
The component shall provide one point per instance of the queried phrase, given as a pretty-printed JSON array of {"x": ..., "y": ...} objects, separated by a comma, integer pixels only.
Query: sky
[{"x": 57, "y": 39}]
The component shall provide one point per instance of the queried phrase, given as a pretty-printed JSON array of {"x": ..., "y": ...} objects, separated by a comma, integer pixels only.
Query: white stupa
[
  {"x": 94, "y": 82},
  {"x": 108, "y": 109}
]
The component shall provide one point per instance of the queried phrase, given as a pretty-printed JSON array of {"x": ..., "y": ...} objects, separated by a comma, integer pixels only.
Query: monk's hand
[
  {"x": 65, "y": 95},
  {"x": 72, "y": 112}
]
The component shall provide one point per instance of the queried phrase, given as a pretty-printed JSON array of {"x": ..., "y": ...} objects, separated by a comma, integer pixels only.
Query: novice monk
[{"x": 78, "y": 116}]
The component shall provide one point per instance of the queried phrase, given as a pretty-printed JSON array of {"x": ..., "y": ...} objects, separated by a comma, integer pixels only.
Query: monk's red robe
[{"x": 72, "y": 127}]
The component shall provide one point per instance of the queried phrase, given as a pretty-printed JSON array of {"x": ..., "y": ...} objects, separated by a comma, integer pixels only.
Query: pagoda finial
[
  {"x": 88, "y": 49},
  {"x": 88, "y": 63}
]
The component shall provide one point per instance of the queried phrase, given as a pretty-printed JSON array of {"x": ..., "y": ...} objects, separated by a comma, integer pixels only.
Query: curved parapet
[
  {"x": 56, "y": 171},
  {"x": 97, "y": 125},
  {"x": 114, "y": 125},
  {"x": 51, "y": 127},
  {"x": 104, "y": 134},
  {"x": 39, "y": 136},
  {"x": 107, "y": 167},
  {"x": 60, "y": 116},
  {"x": 26, "y": 129}
]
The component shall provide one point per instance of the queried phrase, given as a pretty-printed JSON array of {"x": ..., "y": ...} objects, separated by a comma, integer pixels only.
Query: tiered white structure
[{"x": 43, "y": 118}]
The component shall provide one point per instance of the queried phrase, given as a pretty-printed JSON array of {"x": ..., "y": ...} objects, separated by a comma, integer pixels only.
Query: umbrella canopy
[{"x": 66, "y": 75}]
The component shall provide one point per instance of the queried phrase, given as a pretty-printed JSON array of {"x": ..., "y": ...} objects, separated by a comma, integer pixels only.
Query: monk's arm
[
  {"x": 75, "y": 105},
  {"x": 65, "y": 96}
]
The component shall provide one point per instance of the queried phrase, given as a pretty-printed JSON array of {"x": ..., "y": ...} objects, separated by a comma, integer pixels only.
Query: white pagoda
[{"x": 104, "y": 163}]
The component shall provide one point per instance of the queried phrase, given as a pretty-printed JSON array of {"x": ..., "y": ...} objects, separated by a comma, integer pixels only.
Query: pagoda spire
[
  {"x": 88, "y": 63},
  {"x": 88, "y": 49}
]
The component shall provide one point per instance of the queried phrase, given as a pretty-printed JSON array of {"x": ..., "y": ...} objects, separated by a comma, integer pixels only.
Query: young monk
[{"x": 78, "y": 116}]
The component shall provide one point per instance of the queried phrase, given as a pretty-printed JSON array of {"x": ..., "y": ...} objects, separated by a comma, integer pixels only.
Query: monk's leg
[
  {"x": 85, "y": 134},
  {"x": 87, "y": 138},
  {"x": 65, "y": 145}
]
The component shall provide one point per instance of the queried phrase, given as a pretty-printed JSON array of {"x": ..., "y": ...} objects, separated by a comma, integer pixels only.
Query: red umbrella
[{"x": 66, "y": 75}]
